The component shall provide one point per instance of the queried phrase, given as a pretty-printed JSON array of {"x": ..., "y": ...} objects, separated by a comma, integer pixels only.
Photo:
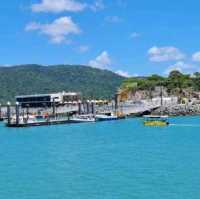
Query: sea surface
[{"x": 107, "y": 160}]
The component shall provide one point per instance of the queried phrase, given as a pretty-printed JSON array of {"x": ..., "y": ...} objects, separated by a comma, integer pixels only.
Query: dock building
[{"x": 46, "y": 100}]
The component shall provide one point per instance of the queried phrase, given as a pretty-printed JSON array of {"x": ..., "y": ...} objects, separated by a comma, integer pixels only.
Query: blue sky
[{"x": 126, "y": 36}]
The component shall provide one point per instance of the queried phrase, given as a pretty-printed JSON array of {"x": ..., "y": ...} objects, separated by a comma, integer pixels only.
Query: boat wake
[{"x": 185, "y": 125}]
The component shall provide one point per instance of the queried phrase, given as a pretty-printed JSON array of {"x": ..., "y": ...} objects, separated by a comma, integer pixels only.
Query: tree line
[{"x": 176, "y": 83}]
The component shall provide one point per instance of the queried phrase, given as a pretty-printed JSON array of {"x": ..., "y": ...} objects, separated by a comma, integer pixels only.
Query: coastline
[{"x": 179, "y": 110}]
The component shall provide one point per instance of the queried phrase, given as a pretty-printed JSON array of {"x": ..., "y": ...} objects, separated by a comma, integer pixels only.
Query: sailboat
[{"x": 157, "y": 120}]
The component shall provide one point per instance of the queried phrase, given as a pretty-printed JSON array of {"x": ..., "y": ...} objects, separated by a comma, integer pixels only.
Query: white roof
[{"x": 50, "y": 94}]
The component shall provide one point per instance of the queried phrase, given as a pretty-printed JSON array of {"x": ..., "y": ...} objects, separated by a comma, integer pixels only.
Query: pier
[
  {"x": 18, "y": 116},
  {"x": 24, "y": 116},
  {"x": 65, "y": 108}
]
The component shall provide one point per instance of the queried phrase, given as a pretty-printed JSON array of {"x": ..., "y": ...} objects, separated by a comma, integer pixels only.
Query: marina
[
  {"x": 99, "y": 99},
  {"x": 70, "y": 107},
  {"x": 67, "y": 108}
]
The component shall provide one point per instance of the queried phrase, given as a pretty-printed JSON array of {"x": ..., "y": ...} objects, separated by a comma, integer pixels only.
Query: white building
[{"x": 42, "y": 100}]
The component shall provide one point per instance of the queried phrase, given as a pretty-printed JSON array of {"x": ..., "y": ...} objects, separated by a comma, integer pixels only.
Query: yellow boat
[{"x": 153, "y": 120}]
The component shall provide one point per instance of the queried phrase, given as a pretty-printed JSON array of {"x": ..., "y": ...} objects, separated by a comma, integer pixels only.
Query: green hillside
[{"x": 33, "y": 79}]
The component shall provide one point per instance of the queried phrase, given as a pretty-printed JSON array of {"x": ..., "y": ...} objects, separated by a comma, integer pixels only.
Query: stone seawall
[{"x": 180, "y": 109}]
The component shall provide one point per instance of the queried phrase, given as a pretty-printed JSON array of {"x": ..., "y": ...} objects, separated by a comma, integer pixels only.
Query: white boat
[
  {"x": 22, "y": 120},
  {"x": 82, "y": 119},
  {"x": 102, "y": 117}
]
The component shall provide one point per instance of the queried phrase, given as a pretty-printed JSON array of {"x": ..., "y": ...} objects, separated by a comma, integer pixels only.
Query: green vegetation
[
  {"x": 91, "y": 82},
  {"x": 33, "y": 79},
  {"x": 176, "y": 83}
]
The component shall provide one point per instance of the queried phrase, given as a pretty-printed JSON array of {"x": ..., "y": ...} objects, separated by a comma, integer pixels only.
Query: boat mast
[
  {"x": 161, "y": 96},
  {"x": 161, "y": 99}
]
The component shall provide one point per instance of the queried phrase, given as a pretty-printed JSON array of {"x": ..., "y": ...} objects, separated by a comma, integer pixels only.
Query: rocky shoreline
[{"x": 179, "y": 110}]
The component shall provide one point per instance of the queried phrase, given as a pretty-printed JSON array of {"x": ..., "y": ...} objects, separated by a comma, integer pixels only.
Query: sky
[{"x": 128, "y": 37}]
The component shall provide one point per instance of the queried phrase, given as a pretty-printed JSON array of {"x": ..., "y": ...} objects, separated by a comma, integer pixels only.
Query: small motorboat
[
  {"x": 82, "y": 119},
  {"x": 153, "y": 120},
  {"x": 106, "y": 117}
]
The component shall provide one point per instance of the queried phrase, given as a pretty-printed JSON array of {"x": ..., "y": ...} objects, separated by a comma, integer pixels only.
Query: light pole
[
  {"x": 54, "y": 108},
  {"x": 0, "y": 112},
  {"x": 8, "y": 113},
  {"x": 17, "y": 113}
]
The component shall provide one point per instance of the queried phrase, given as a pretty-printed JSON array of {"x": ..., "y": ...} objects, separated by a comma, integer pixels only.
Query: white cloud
[
  {"x": 135, "y": 35},
  {"x": 57, "y": 6},
  {"x": 97, "y": 5},
  {"x": 113, "y": 19},
  {"x": 196, "y": 56},
  {"x": 172, "y": 68},
  {"x": 83, "y": 48},
  {"x": 162, "y": 54},
  {"x": 123, "y": 73},
  {"x": 102, "y": 61},
  {"x": 57, "y": 31},
  {"x": 182, "y": 67}
]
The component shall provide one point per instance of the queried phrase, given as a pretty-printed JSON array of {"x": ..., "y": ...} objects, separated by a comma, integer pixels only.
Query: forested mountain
[{"x": 34, "y": 79}]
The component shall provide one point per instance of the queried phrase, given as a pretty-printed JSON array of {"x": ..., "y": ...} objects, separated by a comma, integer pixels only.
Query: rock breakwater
[{"x": 179, "y": 109}]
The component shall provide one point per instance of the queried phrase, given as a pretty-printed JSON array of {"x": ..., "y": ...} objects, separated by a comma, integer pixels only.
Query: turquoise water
[{"x": 108, "y": 160}]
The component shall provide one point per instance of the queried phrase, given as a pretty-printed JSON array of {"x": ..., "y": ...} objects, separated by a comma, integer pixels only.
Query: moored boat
[
  {"x": 106, "y": 117},
  {"x": 82, "y": 119},
  {"x": 153, "y": 120}
]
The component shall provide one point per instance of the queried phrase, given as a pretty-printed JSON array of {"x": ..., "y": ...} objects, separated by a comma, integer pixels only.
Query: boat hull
[
  {"x": 46, "y": 123},
  {"x": 106, "y": 118},
  {"x": 156, "y": 123},
  {"x": 81, "y": 121}
]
